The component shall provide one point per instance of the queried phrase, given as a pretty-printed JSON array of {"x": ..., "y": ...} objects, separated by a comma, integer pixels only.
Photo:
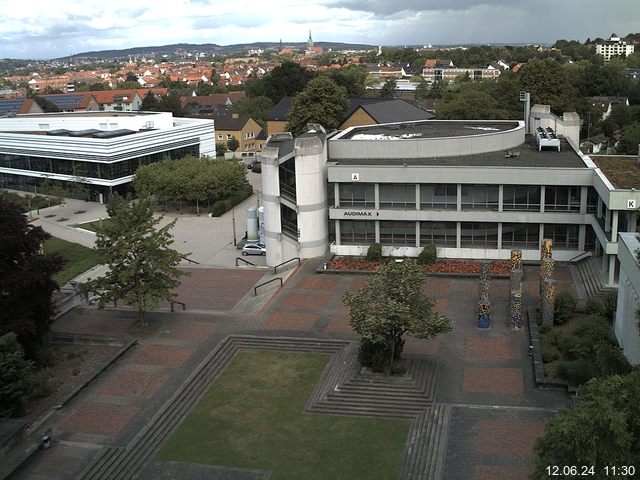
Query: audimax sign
[{"x": 360, "y": 213}]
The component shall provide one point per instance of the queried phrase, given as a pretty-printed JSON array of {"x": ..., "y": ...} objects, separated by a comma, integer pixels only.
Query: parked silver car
[{"x": 254, "y": 249}]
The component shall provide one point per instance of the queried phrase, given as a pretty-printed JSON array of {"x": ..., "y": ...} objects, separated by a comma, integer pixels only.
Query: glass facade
[
  {"x": 353, "y": 232},
  {"x": 565, "y": 237},
  {"x": 520, "y": 198},
  {"x": 287, "y": 173},
  {"x": 479, "y": 235},
  {"x": 401, "y": 195},
  {"x": 442, "y": 234},
  {"x": 357, "y": 195},
  {"x": 398, "y": 233},
  {"x": 101, "y": 170},
  {"x": 289, "y": 221},
  {"x": 562, "y": 199},
  {"x": 521, "y": 235},
  {"x": 480, "y": 197},
  {"x": 439, "y": 196}
]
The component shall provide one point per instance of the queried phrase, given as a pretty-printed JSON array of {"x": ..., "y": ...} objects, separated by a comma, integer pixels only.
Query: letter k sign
[{"x": 631, "y": 204}]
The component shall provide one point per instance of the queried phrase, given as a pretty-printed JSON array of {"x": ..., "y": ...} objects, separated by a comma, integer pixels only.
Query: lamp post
[{"x": 233, "y": 219}]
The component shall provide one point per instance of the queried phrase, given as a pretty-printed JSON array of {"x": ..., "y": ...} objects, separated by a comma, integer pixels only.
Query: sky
[{"x": 43, "y": 29}]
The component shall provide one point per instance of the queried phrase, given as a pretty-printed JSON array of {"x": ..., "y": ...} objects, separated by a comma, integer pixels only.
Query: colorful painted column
[
  {"x": 516, "y": 309},
  {"x": 548, "y": 301},
  {"x": 484, "y": 314}
]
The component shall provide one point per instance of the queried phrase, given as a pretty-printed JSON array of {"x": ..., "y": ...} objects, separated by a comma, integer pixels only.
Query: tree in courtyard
[
  {"x": 391, "y": 304},
  {"x": 604, "y": 429},
  {"x": 142, "y": 266},
  {"x": 14, "y": 372},
  {"x": 322, "y": 101},
  {"x": 26, "y": 285}
]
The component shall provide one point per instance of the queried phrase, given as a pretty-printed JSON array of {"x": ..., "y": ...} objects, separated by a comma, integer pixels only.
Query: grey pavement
[{"x": 209, "y": 241}]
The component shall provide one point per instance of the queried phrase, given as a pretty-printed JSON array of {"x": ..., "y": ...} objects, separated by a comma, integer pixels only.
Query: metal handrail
[
  {"x": 184, "y": 257},
  {"x": 172, "y": 302},
  {"x": 580, "y": 256},
  {"x": 275, "y": 269},
  {"x": 245, "y": 261},
  {"x": 255, "y": 289}
]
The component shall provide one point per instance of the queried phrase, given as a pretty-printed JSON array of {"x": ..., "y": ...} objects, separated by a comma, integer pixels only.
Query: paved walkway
[{"x": 486, "y": 377}]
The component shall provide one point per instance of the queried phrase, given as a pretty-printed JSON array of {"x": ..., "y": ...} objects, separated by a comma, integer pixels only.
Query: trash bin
[{"x": 46, "y": 440}]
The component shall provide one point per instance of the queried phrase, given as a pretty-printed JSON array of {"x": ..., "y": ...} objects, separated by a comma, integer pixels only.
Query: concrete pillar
[
  {"x": 418, "y": 234},
  {"x": 584, "y": 192},
  {"x": 271, "y": 202},
  {"x": 516, "y": 259},
  {"x": 633, "y": 222},
  {"x": 546, "y": 248},
  {"x": 417, "y": 196},
  {"x": 611, "y": 280},
  {"x": 607, "y": 221},
  {"x": 377, "y": 231},
  {"x": 458, "y": 235},
  {"x": 614, "y": 225},
  {"x": 582, "y": 237},
  {"x": 540, "y": 235},
  {"x": 337, "y": 229},
  {"x": 515, "y": 279},
  {"x": 542, "y": 200},
  {"x": 459, "y": 198},
  {"x": 336, "y": 194},
  {"x": 500, "y": 197},
  {"x": 376, "y": 196},
  {"x": 485, "y": 270},
  {"x": 500, "y": 236}
]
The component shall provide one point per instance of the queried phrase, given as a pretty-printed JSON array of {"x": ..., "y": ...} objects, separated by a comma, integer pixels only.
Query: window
[
  {"x": 289, "y": 222},
  {"x": 357, "y": 232},
  {"x": 398, "y": 233},
  {"x": 397, "y": 195},
  {"x": 565, "y": 237},
  {"x": 220, "y": 137},
  {"x": 562, "y": 199},
  {"x": 441, "y": 196},
  {"x": 442, "y": 234},
  {"x": 523, "y": 235},
  {"x": 521, "y": 197},
  {"x": 480, "y": 197},
  {"x": 592, "y": 200},
  {"x": 357, "y": 195},
  {"x": 482, "y": 235}
]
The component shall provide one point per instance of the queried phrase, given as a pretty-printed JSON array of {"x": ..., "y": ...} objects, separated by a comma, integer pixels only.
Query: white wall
[{"x": 626, "y": 329}]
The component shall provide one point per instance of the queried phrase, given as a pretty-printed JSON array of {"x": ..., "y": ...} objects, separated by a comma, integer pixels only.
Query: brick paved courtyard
[{"x": 486, "y": 376}]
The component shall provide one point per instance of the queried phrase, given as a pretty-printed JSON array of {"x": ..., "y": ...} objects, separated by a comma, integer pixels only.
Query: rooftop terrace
[{"x": 428, "y": 129}]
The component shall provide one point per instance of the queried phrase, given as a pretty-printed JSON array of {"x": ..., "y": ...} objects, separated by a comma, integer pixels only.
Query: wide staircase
[{"x": 591, "y": 278}]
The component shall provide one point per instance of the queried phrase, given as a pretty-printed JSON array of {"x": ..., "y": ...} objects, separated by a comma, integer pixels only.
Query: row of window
[
  {"x": 444, "y": 234},
  {"x": 78, "y": 168},
  {"x": 473, "y": 197}
]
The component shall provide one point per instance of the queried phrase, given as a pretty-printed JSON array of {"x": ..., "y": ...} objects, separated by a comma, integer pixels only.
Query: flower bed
[{"x": 462, "y": 267}]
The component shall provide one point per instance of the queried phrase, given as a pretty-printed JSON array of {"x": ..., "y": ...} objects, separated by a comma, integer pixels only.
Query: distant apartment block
[{"x": 614, "y": 47}]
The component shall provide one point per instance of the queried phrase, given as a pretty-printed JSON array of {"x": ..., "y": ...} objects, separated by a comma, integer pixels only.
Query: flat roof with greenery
[
  {"x": 622, "y": 172},
  {"x": 253, "y": 417}
]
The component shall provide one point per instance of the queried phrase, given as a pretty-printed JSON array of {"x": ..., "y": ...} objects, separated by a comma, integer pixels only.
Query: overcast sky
[{"x": 54, "y": 28}]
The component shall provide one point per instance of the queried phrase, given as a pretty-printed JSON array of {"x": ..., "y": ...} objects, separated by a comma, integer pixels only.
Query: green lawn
[
  {"x": 93, "y": 226},
  {"x": 79, "y": 258},
  {"x": 253, "y": 417}
]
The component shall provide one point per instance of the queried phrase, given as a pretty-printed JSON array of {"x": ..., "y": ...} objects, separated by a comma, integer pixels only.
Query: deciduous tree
[
  {"x": 26, "y": 285},
  {"x": 142, "y": 265},
  {"x": 391, "y": 304},
  {"x": 322, "y": 101}
]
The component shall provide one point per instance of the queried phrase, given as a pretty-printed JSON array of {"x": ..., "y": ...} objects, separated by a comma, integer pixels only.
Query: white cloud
[{"x": 56, "y": 28}]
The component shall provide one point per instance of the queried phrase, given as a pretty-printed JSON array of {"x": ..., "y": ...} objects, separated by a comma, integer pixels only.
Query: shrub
[
  {"x": 38, "y": 385},
  {"x": 609, "y": 360},
  {"x": 565, "y": 306},
  {"x": 257, "y": 168},
  {"x": 220, "y": 207},
  {"x": 594, "y": 329},
  {"x": 573, "y": 346},
  {"x": 595, "y": 306},
  {"x": 374, "y": 252},
  {"x": 428, "y": 255},
  {"x": 14, "y": 370},
  {"x": 611, "y": 304},
  {"x": 576, "y": 372},
  {"x": 548, "y": 353}
]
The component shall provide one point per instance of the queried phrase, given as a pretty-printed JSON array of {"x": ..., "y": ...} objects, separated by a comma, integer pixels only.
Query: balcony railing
[
  {"x": 290, "y": 229},
  {"x": 288, "y": 192}
]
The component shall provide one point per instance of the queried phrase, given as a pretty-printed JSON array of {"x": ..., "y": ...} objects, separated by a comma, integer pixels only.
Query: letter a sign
[{"x": 355, "y": 177}]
